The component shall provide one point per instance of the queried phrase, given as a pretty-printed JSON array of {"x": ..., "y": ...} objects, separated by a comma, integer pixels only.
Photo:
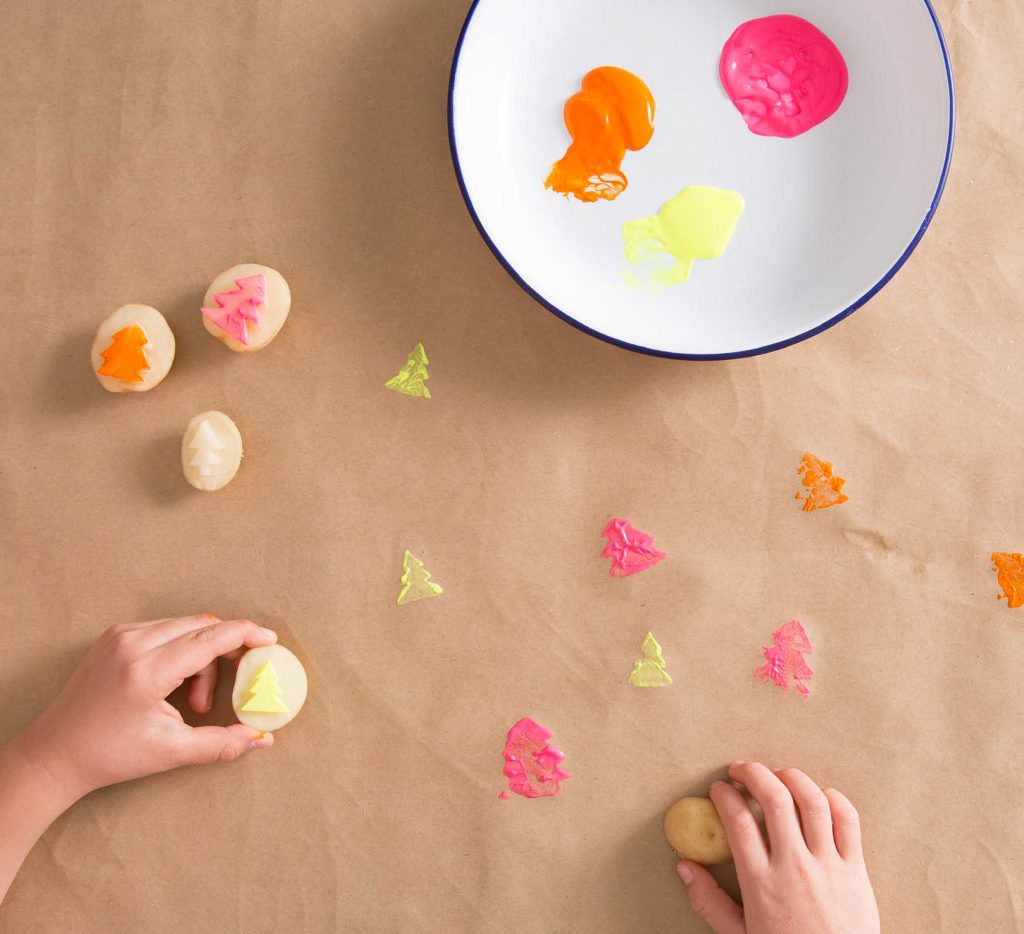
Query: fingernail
[
  {"x": 737, "y": 763},
  {"x": 685, "y": 873},
  {"x": 262, "y": 740},
  {"x": 268, "y": 633},
  {"x": 716, "y": 783}
]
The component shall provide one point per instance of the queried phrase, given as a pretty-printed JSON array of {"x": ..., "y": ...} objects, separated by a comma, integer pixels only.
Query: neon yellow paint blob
[
  {"x": 698, "y": 223},
  {"x": 649, "y": 671},
  {"x": 265, "y": 693}
]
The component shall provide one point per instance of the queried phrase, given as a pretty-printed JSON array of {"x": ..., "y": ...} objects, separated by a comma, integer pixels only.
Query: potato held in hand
[
  {"x": 270, "y": 688},
  {"x": 695, "y": 830}
]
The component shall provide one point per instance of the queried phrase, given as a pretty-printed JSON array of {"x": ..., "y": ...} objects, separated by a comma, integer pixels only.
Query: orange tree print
[
  {"x": 823, "y": 488},
  {"x": 1010, "y": 568}
]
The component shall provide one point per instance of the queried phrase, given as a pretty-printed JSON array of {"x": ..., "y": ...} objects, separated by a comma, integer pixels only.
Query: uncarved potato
[
  {"x": 284, "y": 685},
  {"x": 211, "y": 451},
  {"x": 272, "y": 314},
  {"x": 695, "y": 830},
  {"x": 158, "y": 349}
]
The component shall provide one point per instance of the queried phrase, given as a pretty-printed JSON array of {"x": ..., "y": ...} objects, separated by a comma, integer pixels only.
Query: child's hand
[
  {"x": 112, "y": 723},
  {"x": 810, "y": 878}
]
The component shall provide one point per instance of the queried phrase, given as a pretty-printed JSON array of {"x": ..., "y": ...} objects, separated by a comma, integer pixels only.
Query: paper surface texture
[{"x": 149, "y": 146}]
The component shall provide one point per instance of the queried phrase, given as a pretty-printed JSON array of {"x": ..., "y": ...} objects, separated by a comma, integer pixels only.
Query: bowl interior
[{"x": 829, "y": 214}]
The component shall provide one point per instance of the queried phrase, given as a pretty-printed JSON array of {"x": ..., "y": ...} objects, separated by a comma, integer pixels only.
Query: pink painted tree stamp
[
  {"x": 785, "y": 665},
  {"x": 533, "y": 767},
  {"x": 239, "y": 307},
  {"x": 631, "y": 550}
]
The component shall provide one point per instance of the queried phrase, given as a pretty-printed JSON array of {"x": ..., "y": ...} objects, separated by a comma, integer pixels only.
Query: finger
[
  {"x": 129, "y": 632},
  {"x": 815, "y": 811},
  {"x": 235, "y": 656},
  {"x": 201, "y": 688},
  {"x": 183, "y": 657},
  {"x": 741, "y": 830},
  {"x": 721, "y": 913},
  {"x": 845, "y": 825},
  {"x": 206, "y": 744},
  {"x": 776, "y": 802},
  {"x": 130, "y": 627},
  {"x": 153, "y": 635}
]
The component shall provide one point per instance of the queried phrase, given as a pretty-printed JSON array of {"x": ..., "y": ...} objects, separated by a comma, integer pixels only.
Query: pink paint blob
[
  {"x": 532, "y": 766},
  {"x": 785, "y": 665},
  {"x": 631, "y": 550},
  {"x": 783, "y": 74},
  {"x": 239, "y": 306}
]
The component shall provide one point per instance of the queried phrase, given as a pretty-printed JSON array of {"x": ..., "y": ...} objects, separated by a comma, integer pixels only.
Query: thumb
[
  {"x": 721, "y": 913},
  {"x": 203, "y": 744}
]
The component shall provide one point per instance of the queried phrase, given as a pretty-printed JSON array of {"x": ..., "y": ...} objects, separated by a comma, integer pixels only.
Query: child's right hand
[
  {"x": 809, "y": 878},
  {"x": 112, "y": 723}
]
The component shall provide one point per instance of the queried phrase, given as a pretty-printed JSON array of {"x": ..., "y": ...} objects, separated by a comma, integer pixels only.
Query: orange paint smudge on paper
[
  {"x": 1010, "y": 568},
  {"x": 823, "y": 488},
  {"x": 612, "y": 113}
]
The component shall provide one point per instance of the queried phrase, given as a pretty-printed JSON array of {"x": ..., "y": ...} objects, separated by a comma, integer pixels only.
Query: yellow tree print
[{"x": 649, "y": 671}]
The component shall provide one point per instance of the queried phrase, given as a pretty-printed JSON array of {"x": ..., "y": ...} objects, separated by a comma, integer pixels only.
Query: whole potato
[{"x": 695, "y": 831}]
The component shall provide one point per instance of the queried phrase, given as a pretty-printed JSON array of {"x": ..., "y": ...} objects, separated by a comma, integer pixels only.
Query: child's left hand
[{"x": 112, "y": 722}]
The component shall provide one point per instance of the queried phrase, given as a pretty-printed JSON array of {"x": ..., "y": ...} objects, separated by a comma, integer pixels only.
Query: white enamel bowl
[{"x": 831, "y": 215}]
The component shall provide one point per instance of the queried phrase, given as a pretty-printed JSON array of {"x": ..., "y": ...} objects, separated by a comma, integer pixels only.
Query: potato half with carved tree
[
  {"x": 246, "y": 306},
  {"x": 133, "y": 349},
  {"x": 211, "y": 451},
  {"x": 270, "y": 688}
]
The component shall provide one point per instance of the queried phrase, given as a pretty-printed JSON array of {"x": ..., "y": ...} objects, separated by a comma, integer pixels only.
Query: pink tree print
[
  {"x": 533, "y": 767},
  {"x": 785, "y": 665},
  {"x": 631, "y": 550}
]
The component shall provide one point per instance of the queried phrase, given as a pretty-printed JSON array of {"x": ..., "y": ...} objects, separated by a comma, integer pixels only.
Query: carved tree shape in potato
[
  {"x": 239, "y": 307},
  {"x": 265, "y": 693},
  {"x": 207, "y": 446},
  {"x": 125, "y": 357}
]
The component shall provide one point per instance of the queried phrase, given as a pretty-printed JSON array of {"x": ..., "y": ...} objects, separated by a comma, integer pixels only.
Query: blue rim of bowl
[{"x": 734, "y": 355}]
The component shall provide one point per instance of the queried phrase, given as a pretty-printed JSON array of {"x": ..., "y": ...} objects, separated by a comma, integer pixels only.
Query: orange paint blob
[
  {"x": 125, "y": 358},
  {"x": 823, "y": 489},
  {"x": 611, "y": 114},
  {"x": 1010, "y": 567}
]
